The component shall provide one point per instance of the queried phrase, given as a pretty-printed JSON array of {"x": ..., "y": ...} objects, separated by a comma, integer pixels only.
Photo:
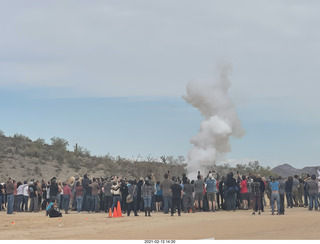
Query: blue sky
[{"x": 110, "y": 75}]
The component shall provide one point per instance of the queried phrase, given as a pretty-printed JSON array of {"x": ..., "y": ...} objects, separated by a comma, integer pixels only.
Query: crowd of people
[{"x": 169, "y": 195}]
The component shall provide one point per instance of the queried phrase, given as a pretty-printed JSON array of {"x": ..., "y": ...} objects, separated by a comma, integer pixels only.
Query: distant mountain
[{"x": 286, "y": 170}]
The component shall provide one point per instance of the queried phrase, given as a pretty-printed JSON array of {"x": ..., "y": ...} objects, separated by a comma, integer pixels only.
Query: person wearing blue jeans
[
  {"x": 10, "y": 202},
  {"x": 275, "y": 195},
  {"x": 66, "y": 202},
  {"x": 147, "y": 204},
  {"x": 10, "y": 196},
  {"x": 79, "y": 203},
  {"x": 95, "y": 200},
  {"x": 165, "y": 186},
  {"x": 167, "y": 202},
  {"x": 147, "y": 191},
  {"x": 312, "y": 188}
]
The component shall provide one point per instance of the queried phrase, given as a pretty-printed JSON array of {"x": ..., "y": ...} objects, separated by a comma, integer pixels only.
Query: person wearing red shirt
[{"x": 244, "y": 192}]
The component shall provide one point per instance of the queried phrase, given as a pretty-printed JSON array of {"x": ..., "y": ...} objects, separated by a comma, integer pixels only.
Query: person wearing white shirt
[{"x": 20, "y": 191}]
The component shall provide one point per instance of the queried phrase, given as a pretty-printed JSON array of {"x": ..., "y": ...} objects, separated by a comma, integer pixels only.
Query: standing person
[
  {"x": 79, "y": 196},
  {"x": 66, "y": 197},
  {"x": 211, "y": 187},
  {"x": 33, "y": 192},
  {"x": 10, "y": 195},
  {"x": 153, "y": 198},
  {"x": 20, "y": 190},
  {"x": 95, "y": 195},
  {"x": 54, "y": 190},
  {"x": 256, "y": 195},
  {"x": 262, "y": 190},
  {"x": 177, "y": 194},
  {"x": 71, "y": 184},
  {"x": 60, "y": 194},
  {"x": 282, "y": 191},
  {"x": 107, "y": 195},
  {"x": 39, "y": 196},
  {"x": 165, "y": 185},
  {"x": 124, "y": 194},
  {"x": 44, "y": 194},
  {"x": 312, "y": 187},
  {"x": 198, "y": 189},
  {"x": 25, "y": 199},
  {"x": 133, "y": 190},
  {"x": 89, "y": 199},
  {"x": 188, "y": 200},
  {"x": 288, "y": 188},
  {"x": 140, "y": 199},
  {"x": 249, "y": 187},
  {"x": 85, "y": 184},
  {"x": 2, "y": 193},
  {"x": 159, "y": 197},
  {"x": 231, "y": 192},
  {"x": 15, "y": 195},
  {"x": 275, "y": 195},
  {"x": 101, "y": 182},
  {"x": 115, "y": 191},
  {"x": 300, "y": 192},
  {"x": 146, "y": 192},
  {"x": 295, "y": 184},
  {"x": 221, "y": 192},
  {"x": 318, "y": 190},
  {"x": 264, "y": 202},
  {"x": 306, "y": 194},
  {"x": 244, "y": 192}
]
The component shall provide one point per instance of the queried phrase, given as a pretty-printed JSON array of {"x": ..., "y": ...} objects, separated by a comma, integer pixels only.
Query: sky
[{"x": 111, "y": 75}]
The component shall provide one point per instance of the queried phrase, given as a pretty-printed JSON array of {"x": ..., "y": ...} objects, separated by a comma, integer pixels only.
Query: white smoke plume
[{"x": 220, "y": 121}]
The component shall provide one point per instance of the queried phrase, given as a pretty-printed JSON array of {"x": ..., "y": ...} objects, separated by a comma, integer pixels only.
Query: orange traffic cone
[
  {"x": 119, "y": 210},
  {"x": 110, "y": 213},
  {"x": 115, "y": 215}
]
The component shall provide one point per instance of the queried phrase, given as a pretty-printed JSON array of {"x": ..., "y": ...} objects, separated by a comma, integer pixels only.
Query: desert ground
[{"x": 296, "y": 224}]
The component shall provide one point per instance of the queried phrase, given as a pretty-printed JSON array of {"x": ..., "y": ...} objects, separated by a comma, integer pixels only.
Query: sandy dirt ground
[{"x": 296, "y": 224}]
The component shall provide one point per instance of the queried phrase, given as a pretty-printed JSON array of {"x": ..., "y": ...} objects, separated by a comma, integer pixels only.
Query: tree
[
  {"x": 59, "y": 148},
  {"x": 150, "y": 159},
  {"x": 164, "y": 159},
  {"x": 81, "y": 151},
  {"x": 59, "y": 143}
]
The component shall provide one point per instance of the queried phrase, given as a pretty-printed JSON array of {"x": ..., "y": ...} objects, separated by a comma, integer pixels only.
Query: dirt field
[{"x": 297, "y": 223}]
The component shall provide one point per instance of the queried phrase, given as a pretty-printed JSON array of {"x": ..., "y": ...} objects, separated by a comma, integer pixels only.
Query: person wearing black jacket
[
  {"x": 140, "y": 201},
  {"x": 221, "y": 191},
  {"x": 231, "y": 184},
  {"x": 177, "y": 194},
  {"x": 54, "y": 190},
  {"x": 85, "y": 183},
  {"x": 262, "y": 190},
  {"x": 124, "y": 194},
  {"x": 288, "y": 189}
]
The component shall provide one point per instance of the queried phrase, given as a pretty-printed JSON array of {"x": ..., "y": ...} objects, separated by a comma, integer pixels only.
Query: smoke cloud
[{"x": 220, "y": 121}]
